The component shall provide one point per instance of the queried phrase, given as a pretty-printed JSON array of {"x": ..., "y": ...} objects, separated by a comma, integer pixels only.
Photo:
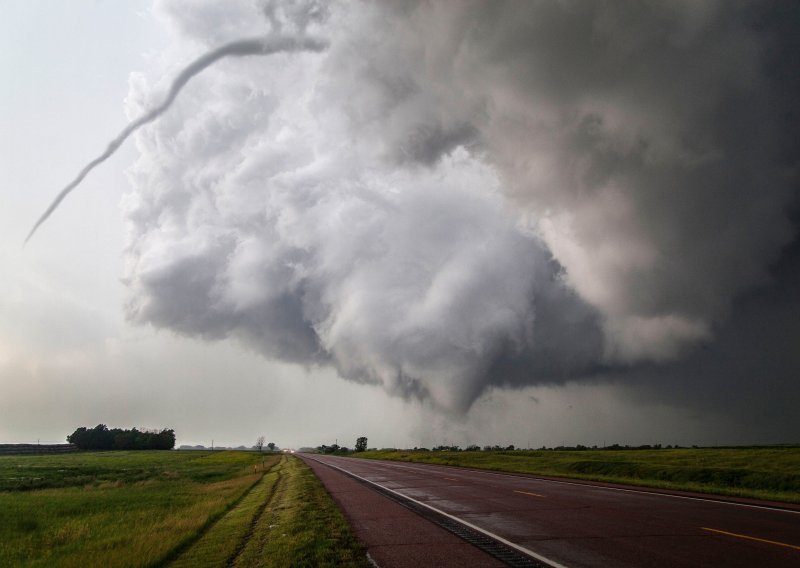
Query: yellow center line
[
  {"x": 744, "y": 536},
  {"x": 451, "y": 478},
  {"x": 528, "y": 493}
]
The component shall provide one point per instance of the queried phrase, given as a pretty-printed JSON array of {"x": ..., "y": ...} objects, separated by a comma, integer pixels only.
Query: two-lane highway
[{"x": 578, "y": 525}]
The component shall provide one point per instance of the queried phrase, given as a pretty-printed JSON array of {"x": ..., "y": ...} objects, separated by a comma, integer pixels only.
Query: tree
[
  {"x": 271, "y": 446},
  {"x": 323, "y": 449},
  {"x": 165, "y": 440},
  {"x": 260, "y": 443},
  {"x": 102, "y": 438},
  {"x": 361, "y": 444}
]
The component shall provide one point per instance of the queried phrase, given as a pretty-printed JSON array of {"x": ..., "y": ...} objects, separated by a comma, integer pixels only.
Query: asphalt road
[
  {"x": 577, "y": 525},
  {"x": 395, "y": 536}
]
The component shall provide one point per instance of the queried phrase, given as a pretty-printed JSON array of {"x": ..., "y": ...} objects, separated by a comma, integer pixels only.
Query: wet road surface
[
  {"x": 570, "y": 524},
  {"x": 396, "y": 537}
]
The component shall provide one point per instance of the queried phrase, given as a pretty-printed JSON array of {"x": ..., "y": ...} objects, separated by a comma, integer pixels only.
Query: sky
[{"x": 543, "y": 223}]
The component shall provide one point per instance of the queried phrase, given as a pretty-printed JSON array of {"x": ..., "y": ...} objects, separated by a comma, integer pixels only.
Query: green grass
[
  {"x": 301, "y": 526},
  {"x": 771, "y": 473},
  {"x": 114, "y": 508},
  {"x": 93, "y": 469},
  {"x": 222, "y": 542},
  {"x": 288, "y": 519},
  {"x": 169, "y": 509}
]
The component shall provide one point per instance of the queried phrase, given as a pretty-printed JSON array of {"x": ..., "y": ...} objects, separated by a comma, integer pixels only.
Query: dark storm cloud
[
  {"x": 464, "y": 195},
  {"x": 749, "y": 372},
  {"x": 643, "y": 140}
]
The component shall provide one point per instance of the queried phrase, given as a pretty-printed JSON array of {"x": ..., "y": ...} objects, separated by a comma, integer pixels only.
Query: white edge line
[
  {"x": 522, "y": 549},
  {"x": 709, "y": 499}
]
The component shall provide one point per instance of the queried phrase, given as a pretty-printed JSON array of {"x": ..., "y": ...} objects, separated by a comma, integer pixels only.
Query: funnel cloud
[{"x": 239, "y": 48}]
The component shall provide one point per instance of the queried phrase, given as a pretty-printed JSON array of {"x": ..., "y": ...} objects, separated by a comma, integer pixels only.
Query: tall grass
[
  {"x": 288, "y": 519},
  {"x": 93, "y": 469},
  {"x": 301, "y": 527},
  {"x": 771, "y": 473},
  {"x": 113, "y": 508},
  {"x": 223, "y": 541},
  {"x": 169, "y": 508}
]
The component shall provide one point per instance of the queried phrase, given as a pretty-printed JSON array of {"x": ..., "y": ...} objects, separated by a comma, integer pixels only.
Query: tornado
[{"x": 239, "y": 48}]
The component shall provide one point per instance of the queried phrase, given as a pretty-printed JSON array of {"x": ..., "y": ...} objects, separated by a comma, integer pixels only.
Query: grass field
[
  {"x": 287, "y": 520},
  {"x": 771, "y": 473},
  {"x": 156, "y": 508}
]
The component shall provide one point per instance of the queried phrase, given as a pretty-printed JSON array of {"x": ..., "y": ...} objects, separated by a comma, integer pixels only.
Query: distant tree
[
  {"x": 125, "y": 440},
  {"x": 77, "y": 437},
  {"x": 101, "y": 438},
  {"x": 271, "y": 446},
  {"x": 165, "y": 440},
  {"x": 361, "y": 444},
  {"x": 332, "y": 449},
  {"x": 260, "y": 443}
]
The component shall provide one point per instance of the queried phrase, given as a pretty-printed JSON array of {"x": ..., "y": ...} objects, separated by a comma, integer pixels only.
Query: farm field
[
  {"x": 771, "y": 473},
  {"x": 159, "y": 508}
]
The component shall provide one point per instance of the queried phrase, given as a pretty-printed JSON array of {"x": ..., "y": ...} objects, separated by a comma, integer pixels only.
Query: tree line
[
  {"x": 101, "y": 437},
  {"x": 361, "y": 446},
  {"x": 512, "y": 447}
]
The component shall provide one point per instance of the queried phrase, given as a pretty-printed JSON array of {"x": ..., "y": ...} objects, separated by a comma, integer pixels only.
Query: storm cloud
[{"x": 456, "y": 196}]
